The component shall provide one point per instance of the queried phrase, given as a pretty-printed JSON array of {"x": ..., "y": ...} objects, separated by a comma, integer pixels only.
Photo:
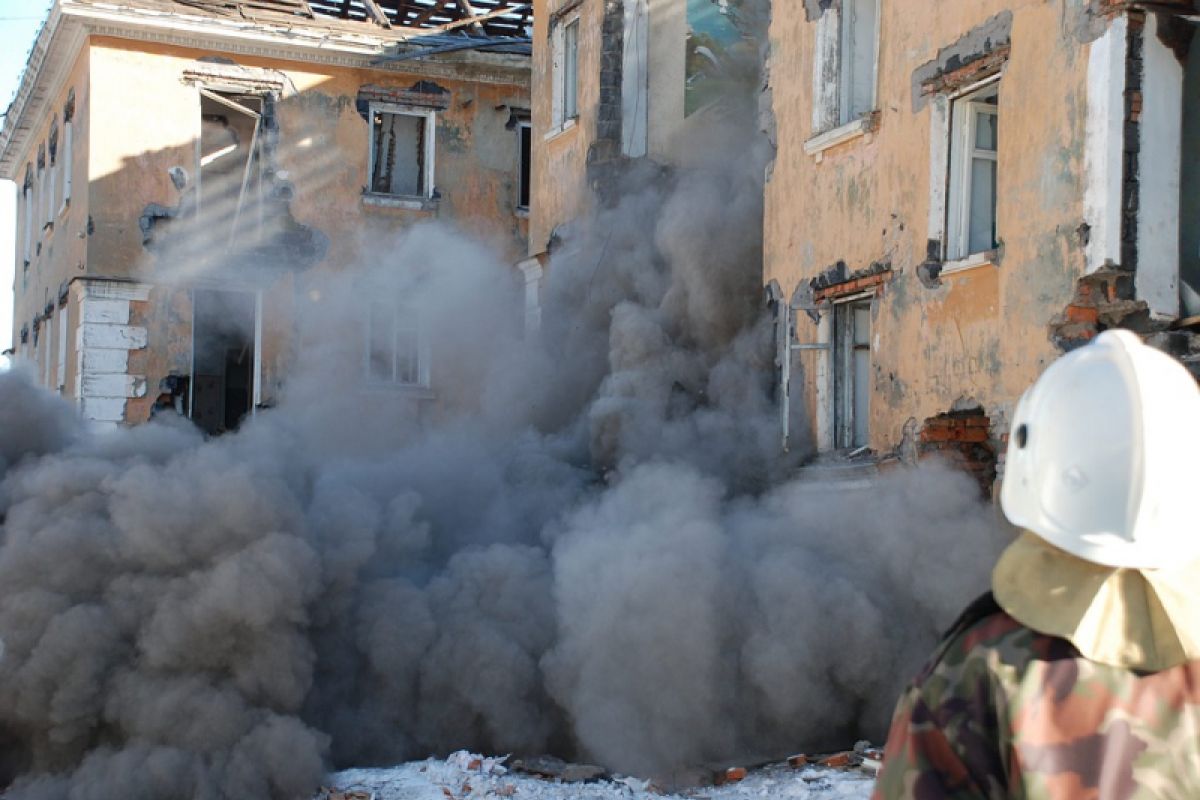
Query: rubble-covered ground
[{"x": 464, "y": 776}]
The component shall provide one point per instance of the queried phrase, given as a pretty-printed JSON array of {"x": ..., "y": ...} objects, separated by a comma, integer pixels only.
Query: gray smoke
[{"x": 591, "y": 547}]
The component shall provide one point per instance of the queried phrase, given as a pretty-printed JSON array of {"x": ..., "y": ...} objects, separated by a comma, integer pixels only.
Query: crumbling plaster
[
  {"x": 128, "y": 150},
  {"x": 980, "y": 332}
]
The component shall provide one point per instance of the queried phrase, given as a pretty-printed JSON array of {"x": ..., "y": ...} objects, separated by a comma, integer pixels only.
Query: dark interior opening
[{"x": 223, "y": 366}]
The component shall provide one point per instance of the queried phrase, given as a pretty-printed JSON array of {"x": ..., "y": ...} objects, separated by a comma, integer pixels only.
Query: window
[
  {"x": 971, "y": 201},
  {"x": 565, "y": 46},
  {"x": 858, "y": 36},
  {"x": 230, "y": 180},
  {"x": 525, "y": 158},
  {"x": 61, "y": 373},
  {"x": 52, "y": 189},
  {"x": 27, "y": 216},
  {"x": 68, "y": 152},
  {"x": 852, "y": 373},
  {"x": 396, "y": 349},
  {"x": 401, "y": 160},
  {"x": 845, "y": 71},
  {"x": 571, "y": 71}
]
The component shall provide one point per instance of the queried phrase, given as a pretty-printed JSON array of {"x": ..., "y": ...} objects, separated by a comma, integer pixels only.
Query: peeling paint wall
[
  {"x": 632, "y": 74},
  {"x": 138, "y": 172},
  {"x": 937, "y": 338}
]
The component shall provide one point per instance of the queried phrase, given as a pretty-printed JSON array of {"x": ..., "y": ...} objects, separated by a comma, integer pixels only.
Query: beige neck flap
[{"x": 1147, "y": 620}]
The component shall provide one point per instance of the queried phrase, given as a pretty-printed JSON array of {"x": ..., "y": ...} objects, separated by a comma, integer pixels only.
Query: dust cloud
[{"x": 591, "y": 546}]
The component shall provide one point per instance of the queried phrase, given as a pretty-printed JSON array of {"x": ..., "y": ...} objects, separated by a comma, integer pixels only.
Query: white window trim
[
  {"x": 558, "y": 48},
  {"x": 840, "y": 135},
  {"x": 402, "y": 200},
  {"x": 941, "y": 130},
  {"x": 423, "y": 382},
  {"x": 832, "y": 82},
  {"x": 965, "y": 113},
  {"x": 532, "y": 271}
]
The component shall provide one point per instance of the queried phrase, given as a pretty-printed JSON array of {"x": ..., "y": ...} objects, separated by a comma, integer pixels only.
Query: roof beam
[
  {"x": 377, "y": 13},
  {"x": 427, "y": 14},
  {"x": 498, "y": 12}
]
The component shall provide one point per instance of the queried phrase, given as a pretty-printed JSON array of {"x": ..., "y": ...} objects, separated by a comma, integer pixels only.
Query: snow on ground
[{"x": 464, "y": 776}]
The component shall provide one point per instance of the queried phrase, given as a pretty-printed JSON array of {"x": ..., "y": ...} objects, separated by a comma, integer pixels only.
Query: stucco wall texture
[
  {"x": 979, "y": 334},
  {"x": 137, "y": 118}
]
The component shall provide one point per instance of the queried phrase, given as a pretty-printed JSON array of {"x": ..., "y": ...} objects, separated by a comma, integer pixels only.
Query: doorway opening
[{"x": 223, "y": 353}]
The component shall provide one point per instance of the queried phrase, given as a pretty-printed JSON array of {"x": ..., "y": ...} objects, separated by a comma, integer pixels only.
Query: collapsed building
[
  {"x": 252, "y": 143},
  {"x": 963, "y": 191}
]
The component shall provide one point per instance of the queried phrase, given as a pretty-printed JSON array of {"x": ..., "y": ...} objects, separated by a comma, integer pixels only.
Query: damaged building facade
[
  {"x": 183, "y": 168},
  {"x": 963, "y": 191},
  {"x": 621, "y": 86}
]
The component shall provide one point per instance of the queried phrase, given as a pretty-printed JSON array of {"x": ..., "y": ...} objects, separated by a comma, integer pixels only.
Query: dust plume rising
[{"x": 593, "y": 549}]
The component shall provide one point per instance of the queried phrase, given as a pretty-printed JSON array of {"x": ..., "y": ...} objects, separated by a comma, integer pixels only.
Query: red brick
[
  {"x": 798, "y": 761},
  {"x": 836, "y": 760},
  {"x": 1083, "y": 315}
]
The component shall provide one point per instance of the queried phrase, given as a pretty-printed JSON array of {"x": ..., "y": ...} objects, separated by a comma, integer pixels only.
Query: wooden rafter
[
  {"x": 428, "y": 14},
  {"x": 478, "y": 18},
  {"x": 377, "y": 13}
]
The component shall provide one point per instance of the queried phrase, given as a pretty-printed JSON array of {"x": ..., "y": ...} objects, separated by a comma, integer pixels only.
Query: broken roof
[{"x": 478, "y": 19}]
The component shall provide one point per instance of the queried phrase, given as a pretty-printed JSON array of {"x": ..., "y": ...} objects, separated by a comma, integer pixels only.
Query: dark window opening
[
  {"x": 526, "y": 166},
  {"x": 223, "y": 359}
]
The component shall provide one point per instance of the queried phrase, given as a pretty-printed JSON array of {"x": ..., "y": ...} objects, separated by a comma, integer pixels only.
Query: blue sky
[{"x": 20, "y": 21}]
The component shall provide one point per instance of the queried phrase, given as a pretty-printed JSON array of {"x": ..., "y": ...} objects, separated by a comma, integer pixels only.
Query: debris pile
[{"x": 466, "y": 776}]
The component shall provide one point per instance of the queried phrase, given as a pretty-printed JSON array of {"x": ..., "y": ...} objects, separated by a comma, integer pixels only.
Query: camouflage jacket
[{"x": 1004, "y": 712}]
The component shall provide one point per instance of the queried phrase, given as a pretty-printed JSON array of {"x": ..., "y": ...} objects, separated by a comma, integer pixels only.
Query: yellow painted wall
[
  {"x": 560, "y": 191},
  {"x": 58, "y": 252},
  {"x": 323, "y": 144},
  {"x": 981, "y": 334}
]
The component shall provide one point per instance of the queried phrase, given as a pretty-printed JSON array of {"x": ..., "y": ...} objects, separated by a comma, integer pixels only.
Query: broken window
[
  {"x": 230, "y": 169},
  {"x": 525, "y": 158},
  {"x": 852, "y": 373},
  {"x": 401, "y": 150},
  {"x": 845, "y": 68},
  {"x": 396, "y": 352},
  {"x": 565, "y": 48},
  {"x": 224, "y": 352},
  {"x": 974, "y": 162}
]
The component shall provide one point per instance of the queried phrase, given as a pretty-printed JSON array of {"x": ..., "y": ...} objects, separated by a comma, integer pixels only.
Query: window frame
[
  {"x": 561, "y": 117},
  {"x": 851, "y": 425},
  {"x": 524, "y": 165},
  {"x": 965, "y": 109},
  {"x": 849, "y": 47},
  {"x": 398, "y": 312},
  {"x": 430, "y": 148},
  {"x": 834, "y": 119}
]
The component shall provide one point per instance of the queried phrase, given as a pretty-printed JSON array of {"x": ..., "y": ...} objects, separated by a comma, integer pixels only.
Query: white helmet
[{"x": 1102, "y": 454}]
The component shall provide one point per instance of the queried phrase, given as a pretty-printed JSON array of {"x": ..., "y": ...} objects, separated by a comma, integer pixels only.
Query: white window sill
[
  {"x": 561, "y": 129},
  {"x": 522, "y": 213},
  {"x": 840, "y": 135},
  {"x": 399, "y": 201},
  {"x": 987, "y": 259},
  {"x": 414, "y": 391}
]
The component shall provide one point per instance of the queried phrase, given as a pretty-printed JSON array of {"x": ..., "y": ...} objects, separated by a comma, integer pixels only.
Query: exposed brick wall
[{"x": 964, "y": 440}]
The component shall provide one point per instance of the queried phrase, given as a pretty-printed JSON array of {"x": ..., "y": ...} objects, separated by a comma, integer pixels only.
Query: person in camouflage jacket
[
  {"x": 1002, "y": 712},
  {"x": 1078, "y": 677}
]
